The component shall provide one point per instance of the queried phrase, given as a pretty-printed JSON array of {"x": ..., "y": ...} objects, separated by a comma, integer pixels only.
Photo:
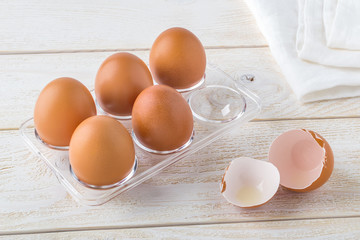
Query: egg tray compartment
[{"x": 234, "y": 105}]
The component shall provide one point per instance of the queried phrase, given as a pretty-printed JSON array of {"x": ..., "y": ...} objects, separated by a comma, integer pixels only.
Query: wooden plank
[
  {"x": 38, "y": 26},
  {"x": 186, "y": 193},
  {"x": 339, "y": 228},
  {"x": 23, "y": 76}
]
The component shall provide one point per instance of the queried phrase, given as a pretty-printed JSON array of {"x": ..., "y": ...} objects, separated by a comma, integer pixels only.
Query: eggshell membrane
[
  {"x": 249, "y": 182},
  {"x": 161, "y": 118},
  {"x": 177, "y": 58},
  {"x": 119, "y": 80},
  {"x": 304, "y": 159},
  {"x": 61, "y": 106},
  {"x": 101, "y": 151}
]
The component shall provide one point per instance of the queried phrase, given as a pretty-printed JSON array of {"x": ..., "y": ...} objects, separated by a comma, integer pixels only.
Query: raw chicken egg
[
  {"x": 304, "y": 159},
  {"x": 177, "y": 59},
  {"x": 102, "y": 152},
  {"x": 162, "y": 120},
  {"x": 249, "y": 182},
  {"x": 61, "y": 106},
  {"x": 119, "y": 80}
]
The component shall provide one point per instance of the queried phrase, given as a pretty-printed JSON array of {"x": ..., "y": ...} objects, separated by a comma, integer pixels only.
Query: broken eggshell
[
  {"x": 304, "y": 159},
  {"x": 249, "y": 182}
]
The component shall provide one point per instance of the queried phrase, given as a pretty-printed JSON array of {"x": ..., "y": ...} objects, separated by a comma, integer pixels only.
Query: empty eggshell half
[
  {"x": 248, "y": 182},
  {"x": 304, "y": 159}
]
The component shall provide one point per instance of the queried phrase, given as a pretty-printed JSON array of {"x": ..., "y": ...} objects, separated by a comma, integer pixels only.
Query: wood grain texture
[
  {"x": 40, "y": 41},
  {"x": 40, "y": 26},
  {"x": 338, "y": 228},
  {"x": 186, "y": 193},
  {"x": 23, "y": 76}
]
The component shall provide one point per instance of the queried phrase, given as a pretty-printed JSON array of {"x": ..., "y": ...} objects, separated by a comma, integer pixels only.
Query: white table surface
[{"x": 40, "y": 41}]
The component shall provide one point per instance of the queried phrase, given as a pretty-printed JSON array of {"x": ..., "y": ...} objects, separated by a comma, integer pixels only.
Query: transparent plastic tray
[{"x": 219, "y": 105}]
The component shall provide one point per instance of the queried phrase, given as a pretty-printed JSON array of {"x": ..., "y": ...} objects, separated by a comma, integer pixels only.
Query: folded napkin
[
  {"x": 278, "y": 21},
  {"x": 311, "y": 38},
  {"x": 342, "y": 23}
]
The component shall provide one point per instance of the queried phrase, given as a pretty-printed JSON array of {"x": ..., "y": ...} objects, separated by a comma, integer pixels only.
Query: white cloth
[
  {"x": 278, "y": 21},
  {"x": 342, "y": 24},
  {"x": 311, "y": 38},
  {"x": 329, "y": 12}
]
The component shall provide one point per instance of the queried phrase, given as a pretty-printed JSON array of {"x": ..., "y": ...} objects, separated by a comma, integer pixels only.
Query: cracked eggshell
[
  {"x": 249, "y": 182},
  {"x": 304, "y": 159}
]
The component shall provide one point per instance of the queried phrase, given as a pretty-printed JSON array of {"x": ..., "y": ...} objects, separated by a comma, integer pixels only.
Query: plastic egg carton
[{"x": 219, "y": 105}]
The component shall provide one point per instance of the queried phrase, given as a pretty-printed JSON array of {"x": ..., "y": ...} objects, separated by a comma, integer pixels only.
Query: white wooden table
[{"x": 40, "y": 41}]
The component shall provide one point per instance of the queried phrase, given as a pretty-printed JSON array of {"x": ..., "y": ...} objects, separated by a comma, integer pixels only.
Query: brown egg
[
  {"x": 119, "y": 80},
  {"x": 101, "y": 151},
  {"x": 304, "y": 159},
  {"x": 162, "y": 119},
  {"x": 61, "y": 106},
  {"x": 177, "y": 59}
]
